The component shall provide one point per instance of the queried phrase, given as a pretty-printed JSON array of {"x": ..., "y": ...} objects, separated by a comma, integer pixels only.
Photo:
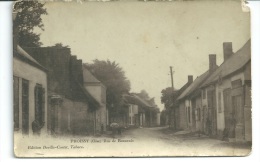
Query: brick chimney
[
  {"x": 190, "y": 78},
  {"x": 73, "y": 65},
  {"x": 212, "y": 62},
  {"x": 227, "y": 50},
  {"x": 80, "y": 71},
  {"x": 76, "y": 69}
]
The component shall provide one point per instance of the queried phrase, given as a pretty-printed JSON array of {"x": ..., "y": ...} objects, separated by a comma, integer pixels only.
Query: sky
[{"x": 146, "y": 38}]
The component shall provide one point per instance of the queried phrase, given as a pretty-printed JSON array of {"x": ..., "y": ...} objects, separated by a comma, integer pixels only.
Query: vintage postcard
[{"x": 139, "y": 78}]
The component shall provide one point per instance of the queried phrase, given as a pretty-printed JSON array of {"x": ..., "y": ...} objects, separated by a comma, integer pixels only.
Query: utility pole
[
  {"x": 172, "y": 78},
  {"x": 172, "y": 110}
]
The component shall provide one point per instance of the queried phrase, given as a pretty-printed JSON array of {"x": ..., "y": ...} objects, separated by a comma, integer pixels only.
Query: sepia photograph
[{"x": 131, "y": 78}]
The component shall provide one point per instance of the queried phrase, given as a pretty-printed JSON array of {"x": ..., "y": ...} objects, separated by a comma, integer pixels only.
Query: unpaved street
[
  {"x": 138, "y": 142},
  {"x": 163, "y": 142}
]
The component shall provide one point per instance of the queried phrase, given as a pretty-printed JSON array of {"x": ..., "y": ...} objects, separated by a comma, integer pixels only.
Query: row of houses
[
  {"x": 142, "y": 113},
  {"x": 54, "y": 94},
  {"x": 218, "y": 102}
]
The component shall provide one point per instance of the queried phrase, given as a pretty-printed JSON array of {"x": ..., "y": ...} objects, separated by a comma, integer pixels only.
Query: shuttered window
[
  {"x": 39, "y": 94},
  {"x": 219, "y": 103},
  {"x": 16, "y": 102},
  {"x": 25, "y": 106}
]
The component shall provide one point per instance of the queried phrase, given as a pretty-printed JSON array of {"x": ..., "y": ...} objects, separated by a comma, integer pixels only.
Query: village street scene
[{"x": 163, "y": 79}]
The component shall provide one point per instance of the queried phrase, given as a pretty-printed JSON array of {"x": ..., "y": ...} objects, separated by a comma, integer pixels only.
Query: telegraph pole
[
  {"x": 172, "y": 78},
  {"x": 173, "y": 108}
]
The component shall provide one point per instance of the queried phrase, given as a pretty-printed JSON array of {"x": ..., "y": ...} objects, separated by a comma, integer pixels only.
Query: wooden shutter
[
  {"x": 43, "y": 105},
  {"x": 16, "y": 102}
]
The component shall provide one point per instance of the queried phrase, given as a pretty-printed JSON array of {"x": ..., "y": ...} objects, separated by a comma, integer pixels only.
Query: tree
[
  {"x": 60, "y": 45},
  {"x": 144, "y": 95},
  {"x": 28, "y": 17},
  {"x": 169, "y": 98},
  {"x": 113, "y": 77}
]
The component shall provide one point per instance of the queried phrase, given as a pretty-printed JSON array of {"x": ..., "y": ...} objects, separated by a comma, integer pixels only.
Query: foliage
[
  {"x": 60, "y": 45},
  {"x": 168, "y": 97},
  {"x": 144, "y": 95},
  {"x": 28, "y": 17},
  {"x": 113, "y": 77}
]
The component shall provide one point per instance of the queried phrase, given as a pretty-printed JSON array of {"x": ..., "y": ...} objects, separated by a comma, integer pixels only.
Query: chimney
[
  {"x": 80, "y": 71},
  {"x": 212, "y": 62},
  {"x": 190, "y": 78},
  {"x": 227, "y": 50},
  {"x": 73, "y": 66}
]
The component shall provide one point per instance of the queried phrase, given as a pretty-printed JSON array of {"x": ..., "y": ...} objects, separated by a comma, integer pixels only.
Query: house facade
[
  {"x": 133, "y": 115},
  {"x": 190, "y": 100},
  {"x": 180, "y": 112},
  {"x": 70, "y": 106},
  {"x": 140, "y": 113},
  {"x": 98, "y": 91},
  {"x": 29, "y": 94},
  {"x": 228, "y": 90},
  {"x": 218, "y": 103}
]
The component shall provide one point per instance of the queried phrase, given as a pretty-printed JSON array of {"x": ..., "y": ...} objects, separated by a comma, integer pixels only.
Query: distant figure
[
  {"x": 208, "y": 126},
  {"x": 233, "y": 123},
  {"x": 36, "y": 127},
  {"x": 225, "y": 134},
  {"x": 114, "y": 127},
  {"x": 119, "y": 130},
  {"x": 102, "y": 128}
]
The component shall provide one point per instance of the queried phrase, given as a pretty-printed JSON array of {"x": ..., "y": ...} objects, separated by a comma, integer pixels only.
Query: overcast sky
[{"x": 145, "y": 38}]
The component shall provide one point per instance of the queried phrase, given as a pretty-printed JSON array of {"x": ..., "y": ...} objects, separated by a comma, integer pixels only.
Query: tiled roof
[
  {"x": 80, "y": 90},
  {"x": 231, "y": 65},
  {"x": 134, "y": 99},
  {"x": 88, "y": 77},
  {"x": 21, "y": 53},
  {"x": 194, "y": 85}
]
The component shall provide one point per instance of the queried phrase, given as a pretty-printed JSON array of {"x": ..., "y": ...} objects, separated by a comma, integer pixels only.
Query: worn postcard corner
[{"x": 140, "y": 78}]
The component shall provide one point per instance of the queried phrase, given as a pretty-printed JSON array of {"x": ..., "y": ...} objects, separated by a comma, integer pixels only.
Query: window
[
  {"x": 189, "y": 114},
  {"x": 219, "y": 102},
  {"x": 198, "y": 114},
  {"x": 236, "y": 83},
  {"x": 16, "y": 102},
  {"x": 204, "y": 93},
  {"x": 39, "y": 94}
]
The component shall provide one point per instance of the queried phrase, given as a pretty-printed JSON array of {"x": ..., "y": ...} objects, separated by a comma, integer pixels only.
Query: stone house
[
  {"x": 70, "y": 106},
  {"x": 190, "y": 102},
  {"x": 180, "y": 112},
  {"x": 140, "y": 112},
  {"x": 228, "y": 91},
  {"x": 98, "y": 91},
  {"x": 29, "y": 94}
]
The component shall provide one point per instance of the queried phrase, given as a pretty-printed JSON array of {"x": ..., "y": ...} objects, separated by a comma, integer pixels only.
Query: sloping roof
[
  {"x": 134, "y": 99},
  {"x": 88, "y": 77},
  {"x": 21, "y": 53},
  {"x": 194, "y": 85},
  {"x": 80, "y": 90},
  {"x": 231, "y": 65}
]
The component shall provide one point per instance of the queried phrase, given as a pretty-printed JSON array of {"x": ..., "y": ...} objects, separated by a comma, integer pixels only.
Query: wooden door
[
  {"x": 25, "y": 107},
  {"x": 239, "y": 113},
  {"x": 212, "y": 113},
  {"x": 229, "y": 113}
]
